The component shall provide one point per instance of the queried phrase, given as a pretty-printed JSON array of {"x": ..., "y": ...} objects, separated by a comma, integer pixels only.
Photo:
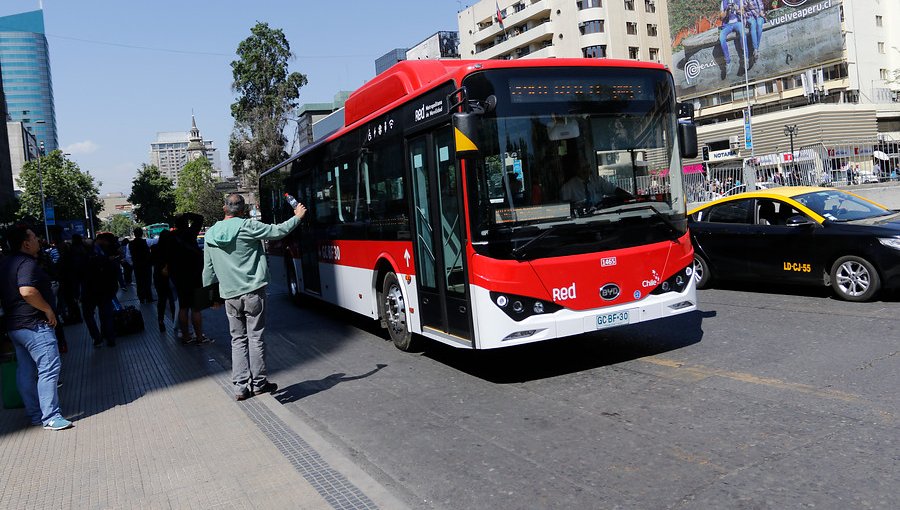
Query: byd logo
[{"x": 609, "y": 291}]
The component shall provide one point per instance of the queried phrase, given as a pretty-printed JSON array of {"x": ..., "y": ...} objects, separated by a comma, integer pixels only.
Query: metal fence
[{"x": 843, "y": 163}]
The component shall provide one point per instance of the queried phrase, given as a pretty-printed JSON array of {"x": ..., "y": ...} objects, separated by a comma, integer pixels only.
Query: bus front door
[{"x": 439, "y": 243}]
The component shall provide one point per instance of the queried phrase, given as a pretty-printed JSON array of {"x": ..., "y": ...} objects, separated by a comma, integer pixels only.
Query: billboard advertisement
[{"x": 782, "y": 37}]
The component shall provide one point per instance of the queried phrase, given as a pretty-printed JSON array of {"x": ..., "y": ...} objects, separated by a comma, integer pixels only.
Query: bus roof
[{"x": 410, "y": 78}]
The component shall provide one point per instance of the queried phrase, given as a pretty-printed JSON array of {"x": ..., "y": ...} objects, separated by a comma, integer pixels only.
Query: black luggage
[{"x": 127, "y": 320}]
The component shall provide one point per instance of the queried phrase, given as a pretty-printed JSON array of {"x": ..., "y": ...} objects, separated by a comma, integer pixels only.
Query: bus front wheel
[{"x": 394, "y": 312}]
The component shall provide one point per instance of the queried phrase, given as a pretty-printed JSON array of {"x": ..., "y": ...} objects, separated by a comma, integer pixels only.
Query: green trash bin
[
  {"x": 8, "y": 387},
  {"x": 11, "y": 397}
]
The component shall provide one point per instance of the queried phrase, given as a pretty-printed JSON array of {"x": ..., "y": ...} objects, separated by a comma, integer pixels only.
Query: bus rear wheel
[
  {"x": 394, "y": 313},
  {"x": 293, "y": 283}
]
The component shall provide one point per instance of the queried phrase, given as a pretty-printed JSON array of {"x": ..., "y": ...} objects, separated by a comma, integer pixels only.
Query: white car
[{"x": 740, "y": 188}]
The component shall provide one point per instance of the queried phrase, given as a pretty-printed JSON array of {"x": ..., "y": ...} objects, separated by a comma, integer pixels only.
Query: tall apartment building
[
  {"x": 509, "y": 29},
  {"x": 174, "y": 149},
  {"x": 830, "y": 69},
  {"x": 25, "y": 63}
]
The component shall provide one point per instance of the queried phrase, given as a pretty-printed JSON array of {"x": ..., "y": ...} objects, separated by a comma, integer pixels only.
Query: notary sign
[{"x": 709, "y": 51}]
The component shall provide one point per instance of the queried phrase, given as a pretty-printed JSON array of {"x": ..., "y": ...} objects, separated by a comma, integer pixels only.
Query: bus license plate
[{"x": 609, "y": 320}]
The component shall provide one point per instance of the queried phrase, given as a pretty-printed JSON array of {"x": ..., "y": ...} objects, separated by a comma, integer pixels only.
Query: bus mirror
[
  {"x": 466, "y": 133},
  {"x": 687, "y": 139},
  {"x": 563, "y": 129}
]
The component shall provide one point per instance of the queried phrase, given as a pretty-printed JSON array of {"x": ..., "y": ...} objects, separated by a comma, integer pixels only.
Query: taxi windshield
[{"x": 839, "y": 206}]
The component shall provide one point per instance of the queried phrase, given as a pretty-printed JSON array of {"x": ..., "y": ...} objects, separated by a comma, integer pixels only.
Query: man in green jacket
[{"x": 234, "y": 257}]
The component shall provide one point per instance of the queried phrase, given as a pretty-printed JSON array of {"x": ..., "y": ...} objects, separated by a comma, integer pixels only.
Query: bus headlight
[
  {"x": 677, "y": 282},
  {"x": 521, "y": 307}
]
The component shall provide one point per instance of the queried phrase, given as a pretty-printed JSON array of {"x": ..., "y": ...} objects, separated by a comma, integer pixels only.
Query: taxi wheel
[
  {"x": 702, "y": 274},
  {"x": 854, "y": 278}
]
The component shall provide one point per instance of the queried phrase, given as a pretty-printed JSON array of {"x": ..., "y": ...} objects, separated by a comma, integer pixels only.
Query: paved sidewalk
[{"x": 156, "y": 426}]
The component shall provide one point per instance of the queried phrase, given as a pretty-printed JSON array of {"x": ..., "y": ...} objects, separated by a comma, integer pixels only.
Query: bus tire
[
  {"x": 394, "y": 313},
  {"x": 293, "y": 284}
]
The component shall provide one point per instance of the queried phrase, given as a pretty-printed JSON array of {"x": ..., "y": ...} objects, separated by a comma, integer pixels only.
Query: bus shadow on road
[{"x": 573, "y": 354}]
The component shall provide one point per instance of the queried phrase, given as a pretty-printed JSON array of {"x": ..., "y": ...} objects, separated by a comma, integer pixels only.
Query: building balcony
[
  {"x": 524, "y": 39},
  {"x": 536, "y": 11}
]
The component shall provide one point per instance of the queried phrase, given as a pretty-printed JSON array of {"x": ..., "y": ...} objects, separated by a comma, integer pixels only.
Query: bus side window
[
  {"x": 326, "y": 201},
  {"x": 388, "y": 211}
]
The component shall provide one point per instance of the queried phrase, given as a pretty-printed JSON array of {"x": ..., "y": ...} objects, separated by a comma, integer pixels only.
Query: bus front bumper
[{"x": 496, "y": 329}]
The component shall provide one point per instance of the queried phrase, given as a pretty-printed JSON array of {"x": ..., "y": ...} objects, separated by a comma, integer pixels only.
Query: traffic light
[{"x": 706, "y": 153}]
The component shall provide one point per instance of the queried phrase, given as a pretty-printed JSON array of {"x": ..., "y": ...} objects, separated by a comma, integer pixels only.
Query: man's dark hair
[
  {"x": 235, "y": 204},
  {"x": 15, "y": 236},
  {"x": 138, "y": 232}
]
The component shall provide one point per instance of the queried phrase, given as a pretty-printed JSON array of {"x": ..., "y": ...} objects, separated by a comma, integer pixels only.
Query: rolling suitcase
[{"x": 127, "y": 320}]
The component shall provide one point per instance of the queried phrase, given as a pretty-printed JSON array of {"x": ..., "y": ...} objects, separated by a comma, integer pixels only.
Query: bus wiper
[
  {"x": 520, "y": 252},
  {"x": 662, "y": 217}
]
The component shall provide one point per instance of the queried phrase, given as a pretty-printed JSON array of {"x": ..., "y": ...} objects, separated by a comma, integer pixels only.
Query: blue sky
[{"x": 124, "y": 70}]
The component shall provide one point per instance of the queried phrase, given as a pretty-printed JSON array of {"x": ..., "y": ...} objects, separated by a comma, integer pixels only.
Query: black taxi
[{"x": 798, "y": 234}]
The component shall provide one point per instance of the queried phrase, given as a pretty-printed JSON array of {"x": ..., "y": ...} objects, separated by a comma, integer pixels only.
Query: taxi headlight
[{"x": 890, "y": 242}]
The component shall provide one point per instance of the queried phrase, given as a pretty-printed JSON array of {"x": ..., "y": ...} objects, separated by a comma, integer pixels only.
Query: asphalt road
[{"x": 765, "y": 398}]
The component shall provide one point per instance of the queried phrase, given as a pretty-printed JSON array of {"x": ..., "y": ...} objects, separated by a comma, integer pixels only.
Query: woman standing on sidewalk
[{"x": 186, "y": 271}]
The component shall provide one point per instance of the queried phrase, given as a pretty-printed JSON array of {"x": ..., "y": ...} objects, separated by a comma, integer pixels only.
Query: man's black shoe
[
  {"x": 98, "y": 343},
  {"x": 269, "y": 387},
  {"x": 244, "y": 395}
]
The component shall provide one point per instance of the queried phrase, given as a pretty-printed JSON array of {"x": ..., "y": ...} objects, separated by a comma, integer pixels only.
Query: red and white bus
[{"x": 486, "y": 204}]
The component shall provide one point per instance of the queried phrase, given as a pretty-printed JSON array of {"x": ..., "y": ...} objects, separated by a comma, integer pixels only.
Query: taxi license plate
[{"x": 609, "y": 320}]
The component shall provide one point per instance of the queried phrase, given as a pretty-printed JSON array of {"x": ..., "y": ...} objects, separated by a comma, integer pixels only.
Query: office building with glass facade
[{"x": 25, "y": 63}]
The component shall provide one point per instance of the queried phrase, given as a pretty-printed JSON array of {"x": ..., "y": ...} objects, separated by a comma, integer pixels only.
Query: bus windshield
[{"x": 575, "y": 160}]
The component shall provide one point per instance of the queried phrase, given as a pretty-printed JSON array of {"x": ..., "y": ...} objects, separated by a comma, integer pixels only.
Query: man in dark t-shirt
[
  {"x": 140, "y": 259},
  {"x": 26, "y": 294}
]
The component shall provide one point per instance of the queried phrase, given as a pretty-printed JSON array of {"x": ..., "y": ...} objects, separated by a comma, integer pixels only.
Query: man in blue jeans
[
  {"x": 731, "y": 22},
  {"x": 755, "y": 12},
  {"x": 26, "y": 294}
]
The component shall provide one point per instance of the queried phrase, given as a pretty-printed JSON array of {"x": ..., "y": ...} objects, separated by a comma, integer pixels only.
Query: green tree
[
  {"x": 64, "y": 184},
  {"x": 267, "y": 94},
  {"x": 196, "y": 191},
  {"x": 119, "y": 224},
  {"x": 153, "y": 195}
]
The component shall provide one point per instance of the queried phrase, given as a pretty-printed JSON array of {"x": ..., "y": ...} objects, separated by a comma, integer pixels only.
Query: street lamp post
[
  {"x": 749, "y": 169},
  {"x": 791, "y": 131},
  {"x": 41, "y": 183}
]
